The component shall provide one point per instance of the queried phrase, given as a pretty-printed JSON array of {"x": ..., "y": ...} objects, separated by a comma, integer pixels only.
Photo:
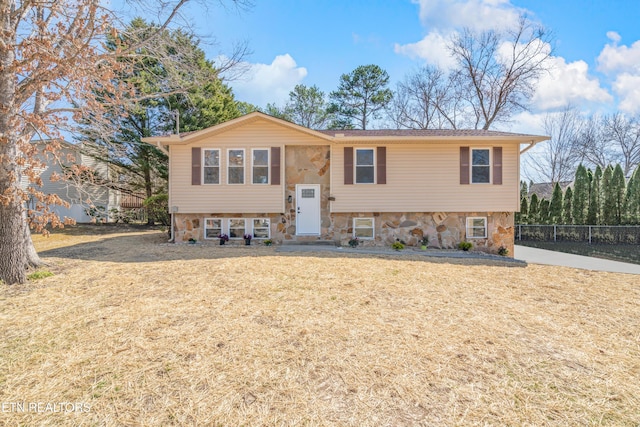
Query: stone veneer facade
[
  {"x": 444, "y": 229},
  {"x": 310, "y": 165}
]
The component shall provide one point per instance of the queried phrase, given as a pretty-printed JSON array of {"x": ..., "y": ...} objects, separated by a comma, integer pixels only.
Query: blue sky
[{"x": 596, "y": 62}]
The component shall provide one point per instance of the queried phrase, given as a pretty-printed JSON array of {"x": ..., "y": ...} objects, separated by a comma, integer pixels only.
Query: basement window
[{"x": 476, "y": 228}]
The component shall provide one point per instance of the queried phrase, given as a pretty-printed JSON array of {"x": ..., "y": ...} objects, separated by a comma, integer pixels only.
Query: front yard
[{"x": 140, "y": 332}]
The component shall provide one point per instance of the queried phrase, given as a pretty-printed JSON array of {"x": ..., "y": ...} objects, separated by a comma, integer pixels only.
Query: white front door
[{"x": 308, "y": 209}]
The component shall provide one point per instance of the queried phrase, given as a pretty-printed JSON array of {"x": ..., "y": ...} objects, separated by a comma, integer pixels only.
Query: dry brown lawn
[{"x": 139, "y": 332}]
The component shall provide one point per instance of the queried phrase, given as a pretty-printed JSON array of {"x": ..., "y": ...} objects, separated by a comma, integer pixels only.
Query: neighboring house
[
  {"x": 274, "y": 179},
  {"x": 81, "y": 195},
  {"x": 544, "y": 190}
]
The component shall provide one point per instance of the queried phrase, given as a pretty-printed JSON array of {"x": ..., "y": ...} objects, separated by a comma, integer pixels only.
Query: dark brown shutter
[
  {"x": 275, "y": 165},
  {"x": 497, "y": 165},
  {"x": 381, "y": 163},
  {"x": 464, "y": 165},
  {"x": 348, "y": 165},
  {"x": 196, "y": 165}
]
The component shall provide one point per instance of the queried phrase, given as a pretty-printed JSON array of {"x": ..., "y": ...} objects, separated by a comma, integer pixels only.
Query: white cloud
[
  {"x": 443, "y": 18},
  {"x": 627, "y": 87},
  {"x": 622, "y": 63},
  {"x": 567, "y": 84},
  {"x": 432, "y": 48},
  {"x": 615, "y": 59},
  {"x": 269, "y": 83},
  {"x": 475, "y": 14},
  {"x": 527, "y": 122}
]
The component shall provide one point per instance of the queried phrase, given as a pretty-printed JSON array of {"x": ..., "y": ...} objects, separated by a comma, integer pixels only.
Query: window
[
  {"x": 365, "y": 169},
  {"x": 211, "y": 166},
  {"x": 261, "y": 228},
  {"x": 212, "y": 228},
  {"x": 363, "y": 228},
  {"x": 237, "y": 228},
  {"x": 480, "y": 166},
  {"x": 236, "y": 167},
  {"x": 260, "y": 172},
  {"x": 476, "y": 228}
]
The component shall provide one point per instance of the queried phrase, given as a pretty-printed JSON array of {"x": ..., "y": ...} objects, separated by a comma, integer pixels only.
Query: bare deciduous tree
[
  {"x": 611, "y": 139},
  {"x": 624, "y": 133},
  {"x": 556, "y": 160},
  {"x": 428, "y": 99},
  {"x": 495, "y": 77},
  {"x": 498, "y": 72},
  {"x": 53, "y": 61}
]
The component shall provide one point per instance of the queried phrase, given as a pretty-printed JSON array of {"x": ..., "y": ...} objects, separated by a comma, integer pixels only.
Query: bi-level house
[{"x": 274, "y": 179}]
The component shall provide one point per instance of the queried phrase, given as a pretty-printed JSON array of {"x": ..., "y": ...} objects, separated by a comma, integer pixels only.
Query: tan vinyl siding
[
  {"x": 236, "y": 198},
  {"x": 426, "y": 178}
]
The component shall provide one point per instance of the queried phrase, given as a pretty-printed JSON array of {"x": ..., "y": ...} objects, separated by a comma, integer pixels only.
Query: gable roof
[
  {"x": 187, "y": 137},
  {"x": 350, "y": 135}
]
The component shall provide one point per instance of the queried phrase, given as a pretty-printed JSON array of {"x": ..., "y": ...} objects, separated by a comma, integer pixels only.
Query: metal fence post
[
  {"x": 554, "y": 232},
  {"x": 589, "y": 234},
  {"x": 519, "y": 231}
]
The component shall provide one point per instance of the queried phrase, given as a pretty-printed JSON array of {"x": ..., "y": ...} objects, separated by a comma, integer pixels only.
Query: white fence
[{"x": 592, "y": 234}]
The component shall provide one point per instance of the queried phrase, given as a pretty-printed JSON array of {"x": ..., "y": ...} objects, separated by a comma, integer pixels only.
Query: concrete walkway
[{"x": 542, "y": 256}]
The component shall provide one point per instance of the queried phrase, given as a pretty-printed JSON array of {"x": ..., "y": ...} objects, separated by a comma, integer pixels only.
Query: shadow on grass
[{"x": 153, "y": 247}]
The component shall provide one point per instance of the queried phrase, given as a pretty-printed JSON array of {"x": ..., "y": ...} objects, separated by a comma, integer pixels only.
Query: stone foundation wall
[{"x": 444, "y": 229}]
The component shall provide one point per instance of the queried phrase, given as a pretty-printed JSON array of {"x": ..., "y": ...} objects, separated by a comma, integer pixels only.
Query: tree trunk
[
  {"x": 33, "y": 259},
  {"x": 12, "y": 250}
]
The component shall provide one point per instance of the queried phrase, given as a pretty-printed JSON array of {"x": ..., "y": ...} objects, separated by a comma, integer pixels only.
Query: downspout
[
  {"x": 161, "y": 148},
  {"x": 165, "y": 151},
  {"x": 172, "y": 238},
  {"x": 528, "y": 147}
]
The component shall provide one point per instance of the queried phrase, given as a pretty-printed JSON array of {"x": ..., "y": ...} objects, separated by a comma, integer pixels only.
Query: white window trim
[
  {"x": 468, "y": 227},
  {"x": 355, "y": 165},
  {"x": 373, "y": 228},
  {"x": 268, "y": 166},
  {"x": 244, "y": 165},
  {"x": 219, "y": 166},
  {"x": 205, "y": 227},
  {"x": 490, "y": 165},
  {"x": 229, "y": 228},
  {"x": 268, "y": 228}
]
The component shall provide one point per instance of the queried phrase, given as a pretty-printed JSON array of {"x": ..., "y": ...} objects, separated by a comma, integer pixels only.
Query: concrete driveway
[{"x": 542, "y": 256}]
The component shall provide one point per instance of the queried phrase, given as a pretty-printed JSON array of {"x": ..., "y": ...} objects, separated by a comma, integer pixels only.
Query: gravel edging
[{"x": 407, "y": 252}]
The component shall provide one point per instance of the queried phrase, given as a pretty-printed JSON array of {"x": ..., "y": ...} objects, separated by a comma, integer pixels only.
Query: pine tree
[
  {"x": 545, "y": 217},
  {"x": 608, "y": 197},
  {"x": 555, "y": 207},
  {"x": 595, "y": 213},
  {"x": 534, "y": 209},
  {"x": 618, "y": 195},
  {"x": 633, "y": 198},
  {"x": 522, "y": 217},
  {"x": 580, "y": 195},
  {"x": 593, "y": 207},
  {"x": 567, "y": 208}
]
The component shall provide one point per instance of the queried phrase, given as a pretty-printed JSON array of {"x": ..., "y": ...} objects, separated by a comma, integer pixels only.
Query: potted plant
[
  {"x": 354, "y": 242},
  {"x": 465, "y": 246},
  {"x": 247, "y": 239},
  {"x": 398, "y": 245},
  {"x": 424, "y": 243},
  {"x": 268, "y": 242},
  {"x": 223, "y": 238}
]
